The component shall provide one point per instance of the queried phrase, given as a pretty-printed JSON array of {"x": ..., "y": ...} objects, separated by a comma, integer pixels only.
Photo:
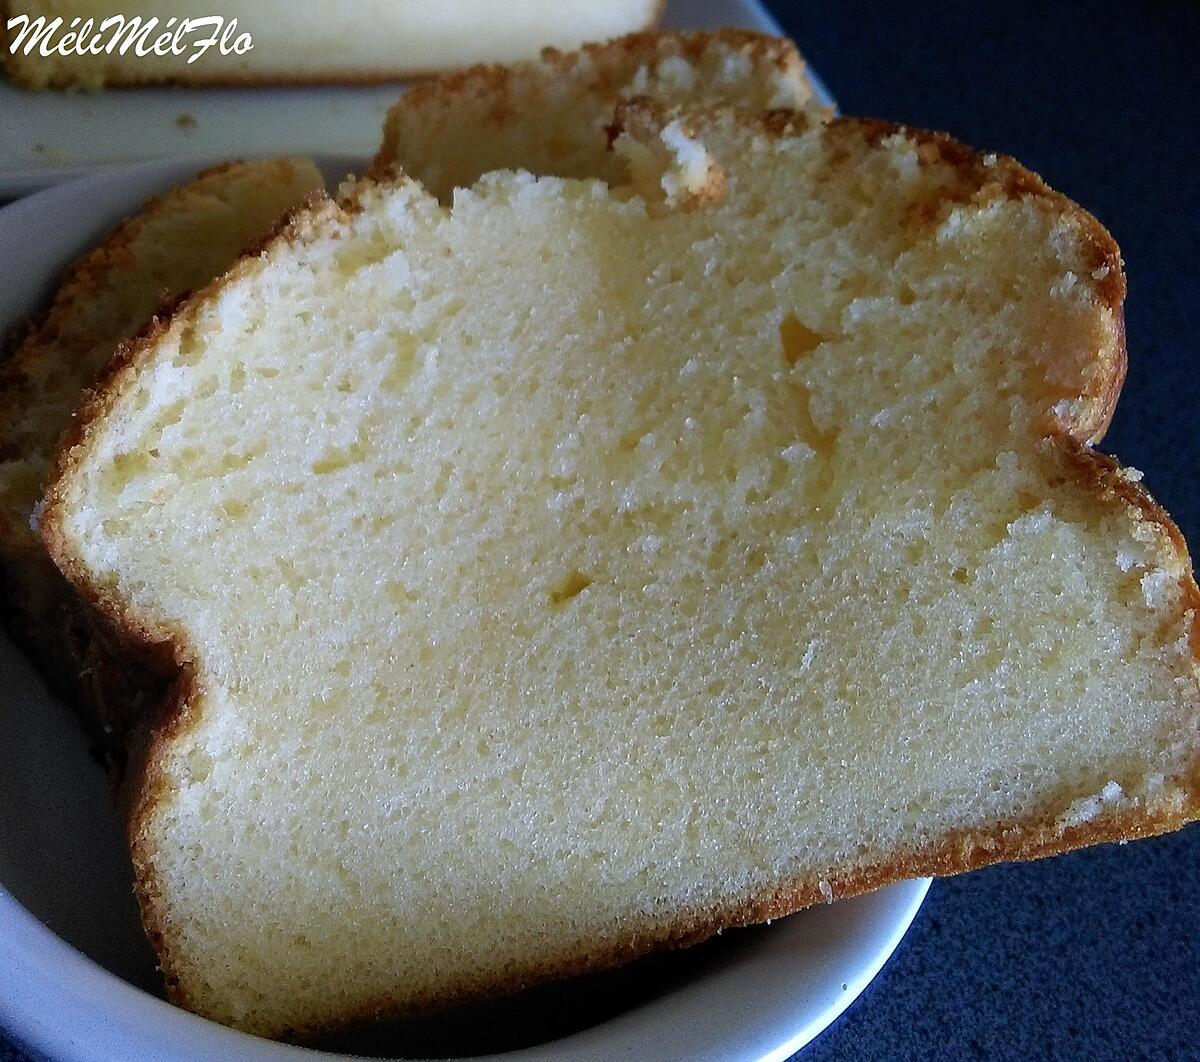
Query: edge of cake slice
[
  {"x": 179, "y": 241},
  {"x": 550, "y": 115}
]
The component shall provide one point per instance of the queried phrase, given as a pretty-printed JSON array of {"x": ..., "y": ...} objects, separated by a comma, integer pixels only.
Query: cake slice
[
  {"x": 40, "y": 389},
  {"x": 179, "y": 241},
  {"x": 549, "y": 115},
  {"x": 291, "y": 43},
  {"x": 583, "y": 569}
]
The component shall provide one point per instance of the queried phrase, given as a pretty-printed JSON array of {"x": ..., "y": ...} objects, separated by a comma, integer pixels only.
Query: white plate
[
  {"x": 76, "y": 976},
  {"x": 47, "y": 137}
]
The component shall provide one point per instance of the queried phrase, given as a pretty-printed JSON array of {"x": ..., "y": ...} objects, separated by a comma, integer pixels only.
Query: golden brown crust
[
  {"x": 695, "y": 193},
  {"x": 246, "y": 80},
  {"x": 87, "y": 272},
  {"x": 81, "y": 657},
  {"x": 983, "y": 177},
  {"x": 995, "y": 175},
  {"x": 1028, "y": 838},
  {"x": 496, "y": 77},
  {"x": 964, "y": 851},
  {"x": 142, "y": 789},
  {"x": 1111, "y": 481},
  {"x": 496, "y": 82}
]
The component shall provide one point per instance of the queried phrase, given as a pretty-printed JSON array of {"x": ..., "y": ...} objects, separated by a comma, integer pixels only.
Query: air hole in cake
[
  {"x": 401, "y": 370},
  {"x": 171, "y": 415},
  {"x": 398, "y": 593},
  {"x": 1027, "y": 501},
  {"x": 572, "y": 586},
  {"x": 335, "y": 460},
  {"x": 629, "y": 441},
  {"x": 798, "y": 339}
]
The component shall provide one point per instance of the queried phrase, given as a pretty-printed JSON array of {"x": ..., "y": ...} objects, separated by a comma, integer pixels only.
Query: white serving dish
[{"x": 48, "y": 137}]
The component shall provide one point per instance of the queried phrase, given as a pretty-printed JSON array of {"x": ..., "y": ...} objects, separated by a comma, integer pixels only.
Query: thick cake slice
[
  {"x": 584, "y": 569},
  {"x": 180, "y": 241},
  {"x": 43, "y": 384},
  {"x": 293, "y": 42},
  {"x": 549, "y": 115}
]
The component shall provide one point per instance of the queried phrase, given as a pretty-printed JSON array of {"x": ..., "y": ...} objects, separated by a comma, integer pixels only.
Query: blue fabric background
[{"x": 1093, "y": 955}]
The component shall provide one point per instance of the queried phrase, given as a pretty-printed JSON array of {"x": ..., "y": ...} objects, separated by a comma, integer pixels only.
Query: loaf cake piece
[
  {"x": 40, "y": 389},
  {"x": 584, "y": 569},
  {"x": 179, "y": 241},
  {"x": 549, "y": 115},
  {"x": 369, "y": 40}
]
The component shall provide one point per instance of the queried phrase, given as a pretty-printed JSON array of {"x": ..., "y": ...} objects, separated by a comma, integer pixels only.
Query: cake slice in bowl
[{"x": 584, "y": 568}]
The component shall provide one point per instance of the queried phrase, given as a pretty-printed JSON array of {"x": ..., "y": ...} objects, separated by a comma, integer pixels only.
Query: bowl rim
[{"x": 98, "y": 1015}]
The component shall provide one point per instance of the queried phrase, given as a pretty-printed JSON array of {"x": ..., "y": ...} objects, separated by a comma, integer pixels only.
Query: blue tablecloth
[{"x": 1096, "y": 954}]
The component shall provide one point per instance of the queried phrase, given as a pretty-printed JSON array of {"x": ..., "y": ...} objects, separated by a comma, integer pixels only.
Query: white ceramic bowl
[{"x": 77, "y": 979}]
